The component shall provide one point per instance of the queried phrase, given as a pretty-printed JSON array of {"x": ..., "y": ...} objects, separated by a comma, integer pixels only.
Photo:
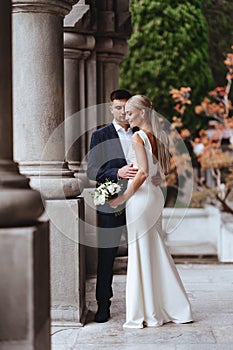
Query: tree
[
  {"x": 168, "y": 48},
  {"x": 212, "y": 159},
  {"x": 218, "y": 14}
]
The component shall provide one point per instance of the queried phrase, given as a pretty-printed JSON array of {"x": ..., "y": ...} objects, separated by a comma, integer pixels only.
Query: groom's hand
[{"x": 127, "y": 172}]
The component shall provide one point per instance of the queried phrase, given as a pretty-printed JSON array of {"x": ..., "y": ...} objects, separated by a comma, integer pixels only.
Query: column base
[
  {"x": 19, "y": 204},
  {"x": 62, "y": 188},
  {"x": 19, "y": 207},
  {"x": 24, "y": 289},
  {"x": 52, "y": 179}
]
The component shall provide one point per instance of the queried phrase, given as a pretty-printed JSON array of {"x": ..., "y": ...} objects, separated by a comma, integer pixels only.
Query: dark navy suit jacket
[{"x": 106, "y": 156}]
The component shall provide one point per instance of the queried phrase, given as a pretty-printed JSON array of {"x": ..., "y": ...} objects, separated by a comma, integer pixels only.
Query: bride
[{"x": 154, "y": 291}]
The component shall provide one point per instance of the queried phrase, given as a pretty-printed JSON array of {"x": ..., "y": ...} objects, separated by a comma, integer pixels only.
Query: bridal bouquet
[{"x": 105, "y": 191}]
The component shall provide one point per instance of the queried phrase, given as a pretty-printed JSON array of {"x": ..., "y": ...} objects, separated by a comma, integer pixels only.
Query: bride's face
[{"x": 134, "y": 116}]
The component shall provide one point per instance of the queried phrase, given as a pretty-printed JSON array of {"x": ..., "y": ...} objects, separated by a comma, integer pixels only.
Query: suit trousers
[{"x": 110, "y": 229}]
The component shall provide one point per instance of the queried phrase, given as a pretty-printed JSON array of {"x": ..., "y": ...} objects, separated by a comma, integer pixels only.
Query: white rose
[
  {"x": 104, "y": 192},
  {"x": 99, "y": 200},
  {"x": 111, "y": 188},
  {"x": 118, "y": 188}
]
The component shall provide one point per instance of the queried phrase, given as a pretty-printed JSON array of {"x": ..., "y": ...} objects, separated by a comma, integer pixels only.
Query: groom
[{"x": 108, "y": 160}]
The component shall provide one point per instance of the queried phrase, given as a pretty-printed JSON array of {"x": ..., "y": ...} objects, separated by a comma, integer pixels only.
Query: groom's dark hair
[{"x": 120, "y": 94}]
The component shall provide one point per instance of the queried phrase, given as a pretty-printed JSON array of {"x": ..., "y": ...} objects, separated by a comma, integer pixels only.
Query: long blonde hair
[{"x": 162, "y": 141}]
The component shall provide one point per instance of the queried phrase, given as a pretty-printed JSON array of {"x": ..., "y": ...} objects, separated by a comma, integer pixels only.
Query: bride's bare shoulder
[{"x": 137, "y": 138}]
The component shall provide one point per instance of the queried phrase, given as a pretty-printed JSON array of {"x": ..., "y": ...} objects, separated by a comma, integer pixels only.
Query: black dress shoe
[{"x": 103, "y": 313}]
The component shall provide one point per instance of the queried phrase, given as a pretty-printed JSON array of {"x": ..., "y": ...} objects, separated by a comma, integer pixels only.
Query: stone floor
[{"x": 210, "y": 289}]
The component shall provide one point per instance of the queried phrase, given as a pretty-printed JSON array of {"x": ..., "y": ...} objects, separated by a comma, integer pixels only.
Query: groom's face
[{"x": 117, "y": 109}]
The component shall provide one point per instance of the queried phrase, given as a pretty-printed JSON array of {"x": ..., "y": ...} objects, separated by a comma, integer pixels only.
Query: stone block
[
  {"x": 225, "y": 238},
  {"x": 90, "y": 232},
  {"x": 68, "y": 273},
  {"x": 24, "y": 288},
  {"x": 192, "y": 231}
]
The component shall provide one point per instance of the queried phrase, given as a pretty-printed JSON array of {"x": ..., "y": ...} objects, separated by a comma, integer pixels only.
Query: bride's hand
[{"x": 115, "y": 202}]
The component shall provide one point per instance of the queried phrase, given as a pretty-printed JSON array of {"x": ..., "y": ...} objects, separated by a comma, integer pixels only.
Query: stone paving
[{"x": 210, "y": 290}]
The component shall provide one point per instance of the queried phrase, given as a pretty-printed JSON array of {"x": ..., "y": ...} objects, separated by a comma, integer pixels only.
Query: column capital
[
  {"x": 78, "y": 45},
  {"x": 111, "y": 45},
  {"x": 79, "y": 41},
  {"x": 57, "y": 7},
  {"x": 111, "y": 48}
]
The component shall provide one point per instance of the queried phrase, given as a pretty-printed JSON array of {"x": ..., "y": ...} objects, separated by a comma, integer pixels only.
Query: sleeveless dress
[{"x": 154, "y": 291}]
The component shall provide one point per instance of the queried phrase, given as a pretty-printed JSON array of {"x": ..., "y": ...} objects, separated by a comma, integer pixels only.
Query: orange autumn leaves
[{"x": 181, "y": 97}]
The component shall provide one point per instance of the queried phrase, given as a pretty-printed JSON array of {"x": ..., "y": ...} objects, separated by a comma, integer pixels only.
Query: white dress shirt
[{"x": 125, "y": 138}]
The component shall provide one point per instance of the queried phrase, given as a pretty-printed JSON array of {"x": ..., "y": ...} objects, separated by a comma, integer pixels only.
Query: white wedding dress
[{"x": 154, "y": 291}]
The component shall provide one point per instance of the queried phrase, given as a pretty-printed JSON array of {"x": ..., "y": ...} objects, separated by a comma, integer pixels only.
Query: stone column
[
  {"x": 91, "y": 97},
  {"x": 39, "y": 96},
  {"x": 39, "y": 144},
  {"x": 77, "y": 48},
  {"x": 15, "y": 196},
  {"x": 24, "y": 258},
  {"x": 109, "y": 53}
]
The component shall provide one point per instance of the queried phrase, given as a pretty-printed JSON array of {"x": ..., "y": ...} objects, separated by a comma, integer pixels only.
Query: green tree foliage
[
  {"x": 219, "y": 16},
  {"x": 168, "y": 49}
]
